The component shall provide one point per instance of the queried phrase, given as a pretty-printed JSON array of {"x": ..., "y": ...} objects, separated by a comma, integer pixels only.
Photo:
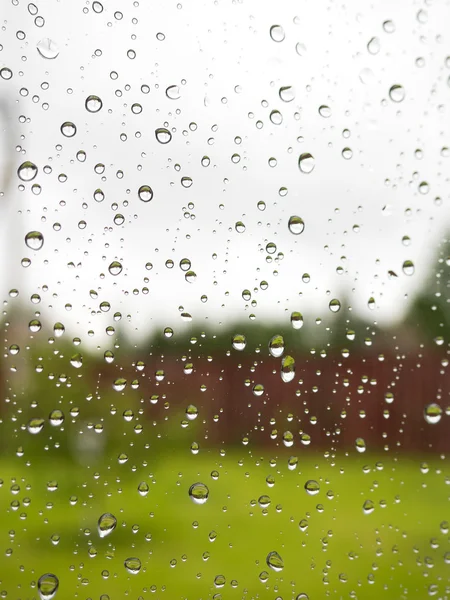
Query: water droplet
[
  {"x": 27, "y": 171},
  {"x": 287, "y": 93},
  {"x": 190, "y": 276},
  {"x": 292, "y": 463},
  {"x": 115, "y": 268},
  {"x": 347, "y": 153},
  {"x": 296, "y": 320},
  {"x": 274, "y": 561},
  {"x": 368, "y": 507},
  {"x": 325, "y": 111},
  {"x": 287, "y": 369},
  {"x": 240, "y": 227},
  {"x": 145, "y": 193},
  {"x": 389, "y": 26},
  {"x": 306, "y": 162},
  {"x": 191, "y": 412},
  {"x": 56, "y": 418},
  {"x": 277, "y": 33},
  {"x": 47, "y": 48},
  {"x": 373, "y": 46},
  {"x": 35, "y": 425},
  {"x": 106, "y": 524},
  {"x": 397, "y": 93},
  {"x": 199, "y": 493},
  {"x": 312, "y": 487},
  {"x": 173, "y": 92},
  {"x": 34, "y": 240},
  {"x": 163, "y": 135},
  {"x": 93, "y": 104},
  {"x": 6, "y": 73},
  {"x": 97, "y": 7},
  {"x": 68, "y": 129},
  {"x": 132, "y": 565},
  {"x": 296, "y": 225},
  {"x": 408, "y": 267},
  {"x": 433, "y": 413},
  {"x": 276, "y": 117},
  {"x": 143, "y": 488},
  {"x": 335, "y": 305},
  {"x": 239, "y": 341},
  {"x": 360, "y": 445},
  {"x": 48, "y": 586},
  {"x": 76, "y": 361},
  {"x": 276, "y": 346},
  {"x": 288, "y": 439}
]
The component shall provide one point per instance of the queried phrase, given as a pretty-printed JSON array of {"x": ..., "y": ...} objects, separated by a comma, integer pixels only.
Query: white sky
[{"x": 214, "y": 47}]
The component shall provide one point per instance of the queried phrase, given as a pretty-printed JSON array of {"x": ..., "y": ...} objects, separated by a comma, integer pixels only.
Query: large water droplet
[
  {"x": 373, "y": 45},
  {"x": 47, "y": 48},
  {"x": 132, "y": 565},
  {"x": 6, "y": 73},
  {"x": 106, "y": 524},
  {"x": 48, "y": 586},
  {"x": 277, "y": 33},
  {"x": 115, "y": 268},
  {"x": 56, "y": 418},
  {"x": 408, "y": 267},
  {"x": 276, "y": 346},
  {"x": 433, "y": 413},
  {"x": 145, "y": 193},
  {"x": 93, "y": 104},
  {"x": 199, "y": 493},
  {"x": 287, "y": 369},
  {"x": 287, "y": 93},
  {"x": 34, "y": 240},
  {"x": 274, "y": 561},
  {"x": 296, "y": 320},
  {"x": 306, "y": 163},
  {"x": 163, "y": 135},
  {"x": 27, "y": 171},
  {"x": 296, "y": 225},
  {"x": 35, "y": 425},
  {"x": 239, "y": 341},
  {"x": 173, "y": 92},
  {"x": 397, "y": 93},
  {"x": 68, "y": 129},
  {"x": 335, "y": 305},
  {"x": 360, "y": 445},
  {"x": 368, "y": 507},
  {"x": 312, "y": 487}
]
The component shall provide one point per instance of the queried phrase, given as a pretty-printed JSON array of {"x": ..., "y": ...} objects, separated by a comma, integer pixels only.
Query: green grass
[{"x": 401, "y": 546}]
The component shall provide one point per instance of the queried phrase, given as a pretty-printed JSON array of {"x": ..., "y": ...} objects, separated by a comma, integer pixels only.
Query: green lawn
[{"x": 398, "y": 551}]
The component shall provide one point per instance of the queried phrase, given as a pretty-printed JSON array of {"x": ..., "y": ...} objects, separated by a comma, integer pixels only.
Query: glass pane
[{"x": 225, "y": 280}]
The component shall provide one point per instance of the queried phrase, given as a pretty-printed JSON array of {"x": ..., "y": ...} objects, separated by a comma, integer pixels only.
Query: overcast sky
[{"x": 229, "y": 72}]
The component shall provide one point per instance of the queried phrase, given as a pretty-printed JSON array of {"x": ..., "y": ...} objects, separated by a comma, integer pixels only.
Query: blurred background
[{"x": 225, "y": 261}]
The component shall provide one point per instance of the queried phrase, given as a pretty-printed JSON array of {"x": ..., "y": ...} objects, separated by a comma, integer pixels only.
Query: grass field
[{"x": 400, "y": 550}]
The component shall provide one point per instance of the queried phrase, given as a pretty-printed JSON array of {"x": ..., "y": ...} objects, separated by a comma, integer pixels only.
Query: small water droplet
[
  {"x": 360, "y": 445},
  {"x": 306, "y": 163},
  {"x": 274, "y": 561},
  {"x": 276, "y": 117},
  {"x": 239, "y": 341},
  {"x": 199, "y": 493},
  {"x": 106, "y": 524},
  {"x": 240, "y": 227},
  {"x": 48, "y": 586},
  {"x": 47, "y": 48},
  {"x": 408, "y": 267},
  {"x": 6, "y": 73},
  {"x": 368, "y": 507},
  {"x": 93, "y": 104},
  {"x": 296, "y": 320},
  {"x": 35, "y": 425},
  {"x": 325, "y": 111},
  {"x": 34, "y": 240},
  {"x": 56, "y": 418},
  {"x": 191, "y": 412},
  {"x": 143, "y": 488}
]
